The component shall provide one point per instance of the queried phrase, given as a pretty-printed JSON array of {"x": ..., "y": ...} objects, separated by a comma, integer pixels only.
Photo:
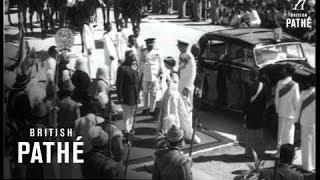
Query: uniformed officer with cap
[
  {"x": 152, "y": 68},
  {"x": 187, "y": 71}
]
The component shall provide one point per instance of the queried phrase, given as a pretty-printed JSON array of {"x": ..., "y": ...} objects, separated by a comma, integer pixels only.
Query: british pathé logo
[
  {"x": 301, "y": 3},
  {"x": 299, "y": 17}
]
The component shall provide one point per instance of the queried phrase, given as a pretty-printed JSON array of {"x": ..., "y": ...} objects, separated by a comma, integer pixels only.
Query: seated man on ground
[{"x": 284, "y": 170}]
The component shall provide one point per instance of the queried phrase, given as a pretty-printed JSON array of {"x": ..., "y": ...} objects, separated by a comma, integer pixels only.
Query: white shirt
[
  {"x": 140, "y": 42},
  {"x": 308, "y": 115},
  {"x": 50, "y": 64},
  {"x": 121, "y": 45},
  {"x": 136, "y": 52},
  {"x": 88, "y": 38},
  {"x": 109, "y": 48},
  {"x": 255, "y": 20},
  {"x": 152, "y": 64},
  {"x": 188, "y": 74},
  {"x": 287, "y": 105}
]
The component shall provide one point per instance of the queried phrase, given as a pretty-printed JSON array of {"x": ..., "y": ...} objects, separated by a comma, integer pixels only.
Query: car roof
[{"x": 248, "y": 36}]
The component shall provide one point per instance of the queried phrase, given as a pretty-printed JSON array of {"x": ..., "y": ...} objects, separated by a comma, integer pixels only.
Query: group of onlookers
[{"x": 293, "y": 108}]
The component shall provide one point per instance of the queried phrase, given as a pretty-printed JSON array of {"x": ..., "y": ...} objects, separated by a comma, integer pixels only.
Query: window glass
[
  {"x": 236, "y": 51},
  {"x": 249, "y": 58},
  {"x": 214, "y": 50},
  {"x": 279, "y": 52}
]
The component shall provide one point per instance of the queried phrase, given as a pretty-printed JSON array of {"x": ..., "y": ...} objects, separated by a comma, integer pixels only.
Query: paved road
[{"x": 218, "y": 164}]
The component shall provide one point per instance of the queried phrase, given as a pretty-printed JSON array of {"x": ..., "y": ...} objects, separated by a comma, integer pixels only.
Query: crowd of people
[
  {"x": 237, "y": 13},
  {"x": 48, "y": 94},
  {"x": 294, "y": 106}
]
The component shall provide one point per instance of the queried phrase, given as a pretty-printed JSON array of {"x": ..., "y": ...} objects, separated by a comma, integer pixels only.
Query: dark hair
[
  {"x": 129, "y": 58},
  {"x": 286, "y": 70},
  {"x": 131, "y": 37},
  {"x": 52, "y": 50},
  {"x": 135, "y": 27},
  {"x": 287, "y": 153}
]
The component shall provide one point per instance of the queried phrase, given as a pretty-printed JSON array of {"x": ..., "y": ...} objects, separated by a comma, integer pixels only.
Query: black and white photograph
[{"x": 159, "y": 89}]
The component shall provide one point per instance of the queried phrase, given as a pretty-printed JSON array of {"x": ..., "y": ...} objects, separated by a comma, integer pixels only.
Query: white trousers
[
  {"x": 285, "y": 131},
  {"x": 150, "y": 92},
  {"x": 128, "y": 114},
  {"x": 308, "y": 147}
]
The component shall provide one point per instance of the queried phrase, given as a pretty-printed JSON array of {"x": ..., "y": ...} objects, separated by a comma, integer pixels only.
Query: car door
[
  {"x": 239, "y": 62},
  {"x": 211, "y": 58}
]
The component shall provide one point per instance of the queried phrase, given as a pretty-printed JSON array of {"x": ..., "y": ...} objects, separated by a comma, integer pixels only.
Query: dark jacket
[
  {"x": 128, "y": 82},
  {"x": 68, "y": 112},
  {"x": 98, "y": 166},
  {"x": 81, "y": 82},
  {"x": 170, "y": 164},
  {"x": 254, "y": 111}
]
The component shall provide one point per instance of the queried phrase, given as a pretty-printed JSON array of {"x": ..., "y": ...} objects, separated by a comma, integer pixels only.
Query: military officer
[
  {"x": 307, "y": 119},
  {"x": 187, "y": 71},
  {"x": 287, "y": 96},
  {"x": 170, "y": 163},
  {"x": 152, "y": 67}
]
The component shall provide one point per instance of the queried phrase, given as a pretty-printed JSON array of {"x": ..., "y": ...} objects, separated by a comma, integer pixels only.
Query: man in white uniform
[
  {"x": 135, "y": 48},
  {"x": 152, "y": 67},
  {"x": 136, "y": 33},
  {"x": 287, "y": 96},
  {"x": 187, "y": 69},
  {"x": 88, "y": 43},
  {"x": 121, "y": 41},
  {"x": 110, "y": 53},
  {"x": 306, "y": 116},
  {"x": 51, "y": 62}
]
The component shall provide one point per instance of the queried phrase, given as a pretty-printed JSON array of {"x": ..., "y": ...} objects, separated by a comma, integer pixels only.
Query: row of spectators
[{"x": 258, "y": 13}]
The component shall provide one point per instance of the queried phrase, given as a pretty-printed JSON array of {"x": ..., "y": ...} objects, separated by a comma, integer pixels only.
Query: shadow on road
[
  {"x": 207, "y": 24},
  {"x": 144, "y": 143},
  {"x": 145, "y": 131},
  {"x": 227, "y": 158},
  {"x": 148, "y": 169}
]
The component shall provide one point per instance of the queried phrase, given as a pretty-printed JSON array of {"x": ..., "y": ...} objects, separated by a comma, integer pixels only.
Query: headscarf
[
  {"x": 102, "y": 73},
  {"x": 81, "y": 65}
]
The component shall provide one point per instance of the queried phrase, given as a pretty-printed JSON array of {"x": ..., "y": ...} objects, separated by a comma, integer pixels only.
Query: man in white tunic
[
  {"x": 287, "y": 96},
  {"x": 88, "y": 43},
  {"x": 51, "y": 62},
  {"x": 152, "y": 67},
  {"x": 110, "y": 53},
  {"x": 254, "y": 18},
  {"x": 121, "y": 41},
  {"x": 307, "y": 118},
  {"x": 136, "y": 33},
  {"x": 187, "y": 69}
]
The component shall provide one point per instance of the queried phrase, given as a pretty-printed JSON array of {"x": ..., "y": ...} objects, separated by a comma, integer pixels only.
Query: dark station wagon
[{"x": 226, "y": 57}]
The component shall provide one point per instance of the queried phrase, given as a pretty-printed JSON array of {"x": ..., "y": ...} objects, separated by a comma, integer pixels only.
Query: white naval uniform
[
  {"x": 308, "y": 128},
  {"x": 88, "y": 43},
  {"x": 286, "y": 107},
  {"x": 187, "y": 78},
  {"x": 110, "y": 50},
  {"x": 152, "y": 65}
]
